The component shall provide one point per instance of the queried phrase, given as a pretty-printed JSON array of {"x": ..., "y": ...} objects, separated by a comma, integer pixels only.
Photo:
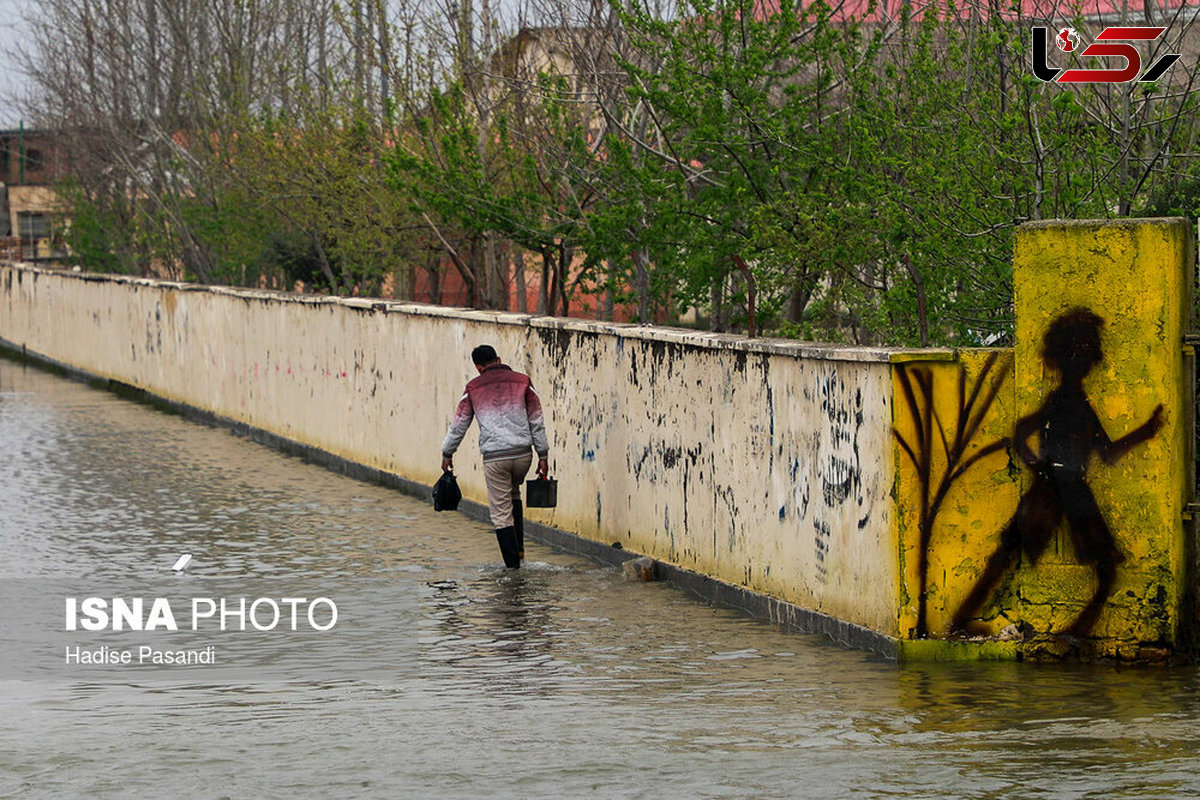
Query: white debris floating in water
[{"x": 182, "y": 563}]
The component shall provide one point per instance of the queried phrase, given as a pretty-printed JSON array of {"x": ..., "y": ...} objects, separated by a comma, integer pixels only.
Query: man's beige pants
[{"x": 504, "y": 479}]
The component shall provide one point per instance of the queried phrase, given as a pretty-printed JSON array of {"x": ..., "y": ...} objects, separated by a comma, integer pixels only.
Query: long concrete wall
[{"x": 767, "y": 465}]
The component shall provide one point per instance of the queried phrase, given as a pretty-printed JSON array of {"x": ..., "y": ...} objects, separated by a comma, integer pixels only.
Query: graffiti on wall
[
  {"x": 839, "y": 464},
  {"x": 1068, "y": 432},
  {"x": 841, "y": 468},
  {"x": 942, "y": 450}
]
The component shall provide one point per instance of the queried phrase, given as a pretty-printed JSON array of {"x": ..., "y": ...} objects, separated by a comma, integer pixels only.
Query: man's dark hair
[{"x": 484, "y": 354}]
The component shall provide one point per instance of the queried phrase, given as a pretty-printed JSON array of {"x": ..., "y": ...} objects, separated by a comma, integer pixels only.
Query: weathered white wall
[{"x": 766, "y": 464}]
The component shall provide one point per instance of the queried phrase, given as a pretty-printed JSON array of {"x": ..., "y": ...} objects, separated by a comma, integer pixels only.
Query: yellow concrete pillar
[{"x": 1104, "y": 415}]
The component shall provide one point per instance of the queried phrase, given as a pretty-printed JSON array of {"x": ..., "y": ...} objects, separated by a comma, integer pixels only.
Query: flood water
[{"x": 458, "y": 679}]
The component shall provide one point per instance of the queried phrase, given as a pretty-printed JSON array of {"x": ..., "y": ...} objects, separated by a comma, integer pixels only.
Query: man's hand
[
  {"x": 543, "y": 468},
  {"x": 447, "y": 465}
]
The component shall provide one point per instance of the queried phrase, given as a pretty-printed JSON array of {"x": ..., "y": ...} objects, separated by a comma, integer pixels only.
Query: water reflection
[{"x": 560, "y": 680}]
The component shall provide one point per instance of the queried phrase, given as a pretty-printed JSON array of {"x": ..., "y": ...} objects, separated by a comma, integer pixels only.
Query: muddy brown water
[{"x": 463, "y": 680}]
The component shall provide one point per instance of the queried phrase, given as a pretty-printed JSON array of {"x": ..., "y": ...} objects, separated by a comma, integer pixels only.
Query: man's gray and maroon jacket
[{"x": 509, "y": 413}]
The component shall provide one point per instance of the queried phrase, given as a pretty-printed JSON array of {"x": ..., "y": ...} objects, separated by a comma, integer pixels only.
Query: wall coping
[
  {"x": 1097, "y": 224},
  {"x": 643, "y": 332}
]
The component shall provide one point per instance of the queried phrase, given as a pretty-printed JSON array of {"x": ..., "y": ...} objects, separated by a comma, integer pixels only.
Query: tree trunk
[
  {"x": 751, "y": 295},
  {"x": 323, "y": 259},
  {"x": 566, "y": 254},
  {"x": 922, "y": 307},
  {"x": 544, "y": 295},
  {"x": 641, "y": 284},
  {"x": 519, "y": 281},
  {"x": 717, "y": 292}
]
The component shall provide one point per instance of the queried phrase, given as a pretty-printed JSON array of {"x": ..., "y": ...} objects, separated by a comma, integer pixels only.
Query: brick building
[{"x": 31, "y": 217}]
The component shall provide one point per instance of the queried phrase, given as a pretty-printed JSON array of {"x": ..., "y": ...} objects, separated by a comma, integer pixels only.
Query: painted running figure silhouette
[{"x": 1068, "y": 432}]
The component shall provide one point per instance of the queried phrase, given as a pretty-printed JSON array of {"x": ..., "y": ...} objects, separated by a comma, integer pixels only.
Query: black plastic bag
[{"x": 446, "y": 493}]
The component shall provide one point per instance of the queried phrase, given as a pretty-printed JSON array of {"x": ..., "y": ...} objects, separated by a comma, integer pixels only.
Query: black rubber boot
[
  {"x": 507, "y": 537},
  {"x": 519, "y": 524}
]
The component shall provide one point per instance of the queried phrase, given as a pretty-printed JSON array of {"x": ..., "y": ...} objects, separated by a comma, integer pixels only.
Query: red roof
[{"x": 1161, "y": 11}]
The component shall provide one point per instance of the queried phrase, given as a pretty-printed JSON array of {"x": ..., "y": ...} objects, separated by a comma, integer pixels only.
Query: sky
[{"x": 11, "y": 81}]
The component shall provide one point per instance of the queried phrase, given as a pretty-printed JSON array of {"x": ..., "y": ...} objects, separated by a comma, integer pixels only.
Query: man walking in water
[
  {"x": 510, "y": 423},
  {"x": 1069, "y": 431}
]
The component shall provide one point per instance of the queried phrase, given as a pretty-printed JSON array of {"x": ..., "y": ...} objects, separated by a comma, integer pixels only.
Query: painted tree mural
[{"x": 955, "y": 438}]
